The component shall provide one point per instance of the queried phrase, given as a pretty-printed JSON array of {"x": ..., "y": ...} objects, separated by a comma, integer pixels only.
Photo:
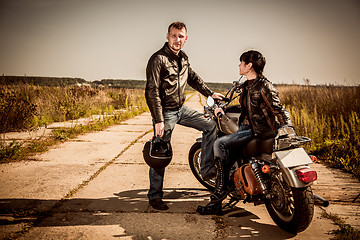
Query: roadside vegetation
[
  {"x": 327, "y": 114},
  {"x": 345, "y": 231},
  {"x": 25, "y": 107},
  {"x": 330, "y": 116}
]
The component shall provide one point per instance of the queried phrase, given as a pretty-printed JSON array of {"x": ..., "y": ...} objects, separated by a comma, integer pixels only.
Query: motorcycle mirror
[{"x": 210, "y": 101}]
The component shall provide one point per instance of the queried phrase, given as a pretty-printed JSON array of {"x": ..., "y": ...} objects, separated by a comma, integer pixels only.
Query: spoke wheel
[
  {"x": 292, "y": 209},
  {"x": 194, "y": 162}
]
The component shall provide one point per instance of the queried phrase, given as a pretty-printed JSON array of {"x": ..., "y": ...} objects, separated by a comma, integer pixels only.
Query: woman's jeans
[
  {"x": 234, "y": 141},
  {"x": 190, "y": 118}
]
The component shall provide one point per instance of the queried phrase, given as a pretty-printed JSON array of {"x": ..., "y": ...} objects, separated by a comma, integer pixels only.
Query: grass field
[
  {"x": 24, "y": 107},
  {"x": 327, "y": 114},
  {"x": 330, "y": 116}
]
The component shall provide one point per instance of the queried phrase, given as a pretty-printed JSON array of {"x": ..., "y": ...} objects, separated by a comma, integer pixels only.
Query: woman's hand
[
  {"x": 218, "y": 110},
  {"x": 217, "y": 96}
]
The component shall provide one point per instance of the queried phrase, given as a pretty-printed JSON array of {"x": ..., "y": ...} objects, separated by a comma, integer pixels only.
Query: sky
[{"x": 317, "y": 40}]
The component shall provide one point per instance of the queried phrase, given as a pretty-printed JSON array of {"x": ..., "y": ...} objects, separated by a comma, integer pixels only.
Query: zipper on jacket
[
  {"x": 179, "y": 90},
  {"x": 249, "y": 111}
]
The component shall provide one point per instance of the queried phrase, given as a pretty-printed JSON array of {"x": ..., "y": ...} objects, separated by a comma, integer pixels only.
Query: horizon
[{"x": 144, "y": 80}]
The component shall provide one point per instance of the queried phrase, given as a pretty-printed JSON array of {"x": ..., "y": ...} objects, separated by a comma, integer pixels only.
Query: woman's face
[{"x": 244, "y": 68}]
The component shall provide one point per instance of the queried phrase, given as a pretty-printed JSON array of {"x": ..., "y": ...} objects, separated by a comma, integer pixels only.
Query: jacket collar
[
  {"x": 172, "y": 55},
  {"x": 257, "y": 80}
]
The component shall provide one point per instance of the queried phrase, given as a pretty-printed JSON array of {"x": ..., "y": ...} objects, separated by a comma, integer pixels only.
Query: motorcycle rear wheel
[
  {"x": 292, "y": 209},
  {"x": 194, "y": 162}
]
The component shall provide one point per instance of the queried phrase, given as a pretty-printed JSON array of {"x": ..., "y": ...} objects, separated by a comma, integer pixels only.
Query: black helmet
[{"x": 157, "y": 153}]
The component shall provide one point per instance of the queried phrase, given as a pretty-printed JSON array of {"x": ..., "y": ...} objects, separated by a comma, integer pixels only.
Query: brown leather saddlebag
[
  {"x": 238, "y": 185},
  {"x": 245, "y": 179}
]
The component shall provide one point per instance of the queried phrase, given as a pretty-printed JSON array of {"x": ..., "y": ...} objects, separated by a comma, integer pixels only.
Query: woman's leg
[
  {"x": 223, "y": 166},
  {"x": 221, "y": 147}
]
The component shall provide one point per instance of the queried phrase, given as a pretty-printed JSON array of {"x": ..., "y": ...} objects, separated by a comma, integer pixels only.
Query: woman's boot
[
  {"x": 222, "y": 181},
  {"x": 220, "y": 192},
  {"x": 210, "y": 209}
]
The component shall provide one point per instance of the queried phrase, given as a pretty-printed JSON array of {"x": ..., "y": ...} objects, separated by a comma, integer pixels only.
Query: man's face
[{"x": 176, "y": 39}]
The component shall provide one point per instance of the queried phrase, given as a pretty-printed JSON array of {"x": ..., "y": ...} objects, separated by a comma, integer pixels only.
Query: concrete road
[{"x": 95, "y": 186}]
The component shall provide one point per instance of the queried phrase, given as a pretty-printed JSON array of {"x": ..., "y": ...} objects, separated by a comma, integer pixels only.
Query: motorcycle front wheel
[
  {"x": 292, "y": 209},
  {"x": 194, "y": 162}
]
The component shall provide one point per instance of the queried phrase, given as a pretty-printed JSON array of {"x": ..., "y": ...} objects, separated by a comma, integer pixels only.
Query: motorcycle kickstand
[{"x": 233, "y": 201}]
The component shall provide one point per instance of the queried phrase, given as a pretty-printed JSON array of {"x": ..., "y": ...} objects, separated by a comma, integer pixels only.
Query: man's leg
[
  {"x": 191, "y": 118},
  {"x": 156, "y": 176}
]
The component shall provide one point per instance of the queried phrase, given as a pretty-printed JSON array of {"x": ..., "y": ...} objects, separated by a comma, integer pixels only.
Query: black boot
[
  {"x": 210, "y": 209},
  {"x": 222, "y": 181},
  {"x": 220, "y": 192}
]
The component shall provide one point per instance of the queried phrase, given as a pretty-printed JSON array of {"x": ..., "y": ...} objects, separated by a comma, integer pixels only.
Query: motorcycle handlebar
[{"x": 225, "y": 99}]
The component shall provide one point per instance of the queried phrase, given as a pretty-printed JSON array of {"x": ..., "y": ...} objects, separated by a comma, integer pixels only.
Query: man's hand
[
  {"x": 159, "y": 129},
  {"x": 217, "y": 96}
]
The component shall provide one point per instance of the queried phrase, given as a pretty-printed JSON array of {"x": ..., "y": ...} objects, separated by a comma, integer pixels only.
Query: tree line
[{"x": 112, "y": 83}]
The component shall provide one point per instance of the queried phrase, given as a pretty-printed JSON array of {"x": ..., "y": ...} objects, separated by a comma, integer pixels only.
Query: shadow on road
[{"x": 131, "y": 206}]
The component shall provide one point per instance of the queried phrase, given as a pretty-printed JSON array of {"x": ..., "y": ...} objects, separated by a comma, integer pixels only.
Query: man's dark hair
[
  {"x": 256, "y": 58},
  {"x": 177, "y": 25}
]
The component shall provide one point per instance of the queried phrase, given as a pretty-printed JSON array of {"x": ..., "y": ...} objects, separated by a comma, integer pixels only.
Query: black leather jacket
[
  {"x": 167, "y": 75},
  {"x": 260, "y": 105}
]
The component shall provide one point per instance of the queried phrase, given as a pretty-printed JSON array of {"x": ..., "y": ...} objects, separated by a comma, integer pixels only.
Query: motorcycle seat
[{"x": 258, "y": 146}]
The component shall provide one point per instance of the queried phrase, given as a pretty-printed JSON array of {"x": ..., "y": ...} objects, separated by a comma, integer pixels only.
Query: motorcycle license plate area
[{"x": 294, "y": 157}]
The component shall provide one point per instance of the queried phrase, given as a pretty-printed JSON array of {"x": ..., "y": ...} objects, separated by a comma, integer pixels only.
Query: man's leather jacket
[
  {"x": 167, "y": 75},
  {"x": 260, "y": 105}
]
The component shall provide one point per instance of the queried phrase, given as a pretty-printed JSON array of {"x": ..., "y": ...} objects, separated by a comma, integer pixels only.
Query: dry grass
[
  {"x": 25, "y": 107},
  {"x": 345, "y": 231},
  {"x": 41, "y": 105},
  {"x": 330, "y": 116},
  {"x": 327, "y": 114}
]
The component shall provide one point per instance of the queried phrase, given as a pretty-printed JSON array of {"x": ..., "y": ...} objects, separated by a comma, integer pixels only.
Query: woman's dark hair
[{"x": 257, "y": 59}]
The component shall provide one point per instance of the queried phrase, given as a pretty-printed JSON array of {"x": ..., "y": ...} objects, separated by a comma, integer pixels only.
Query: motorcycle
[{"x": 270, "y": 170}]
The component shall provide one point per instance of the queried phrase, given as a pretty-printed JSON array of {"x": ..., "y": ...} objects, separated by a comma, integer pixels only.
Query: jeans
[
  {"x": 190, "y": 118},
  {"x": 234, "y": 141}
]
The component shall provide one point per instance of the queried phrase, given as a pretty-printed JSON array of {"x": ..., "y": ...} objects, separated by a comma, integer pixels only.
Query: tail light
[{"x": 306, "y": 175}]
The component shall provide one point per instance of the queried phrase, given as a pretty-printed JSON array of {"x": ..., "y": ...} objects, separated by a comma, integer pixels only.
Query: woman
[{"x": 260, "y": 107}]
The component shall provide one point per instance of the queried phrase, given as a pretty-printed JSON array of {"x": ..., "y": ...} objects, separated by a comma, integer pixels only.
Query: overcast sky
[{"x": 97, "y": 39}]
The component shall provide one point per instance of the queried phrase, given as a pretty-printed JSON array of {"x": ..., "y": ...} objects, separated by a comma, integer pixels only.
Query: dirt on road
[{"x": 95, "y": 187}]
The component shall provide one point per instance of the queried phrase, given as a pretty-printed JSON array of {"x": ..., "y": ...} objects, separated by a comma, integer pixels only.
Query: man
[{"x": 167, "y": 73}]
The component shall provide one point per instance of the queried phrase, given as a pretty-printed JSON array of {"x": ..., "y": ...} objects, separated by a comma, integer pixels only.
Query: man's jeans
[{"x": 190, "y": 118}]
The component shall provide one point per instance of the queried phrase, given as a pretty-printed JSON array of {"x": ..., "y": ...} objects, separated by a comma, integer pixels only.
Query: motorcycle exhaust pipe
[{"x": 320, "y": 201}]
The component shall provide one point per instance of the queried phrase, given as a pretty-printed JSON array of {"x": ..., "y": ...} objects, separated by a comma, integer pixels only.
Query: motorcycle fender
[
  {"x": 290, "y": 161},
  {"x": 293, "y": 157}
]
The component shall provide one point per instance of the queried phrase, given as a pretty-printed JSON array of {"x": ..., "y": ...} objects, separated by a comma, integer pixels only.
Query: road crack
[{"x": 48, "y": 212}]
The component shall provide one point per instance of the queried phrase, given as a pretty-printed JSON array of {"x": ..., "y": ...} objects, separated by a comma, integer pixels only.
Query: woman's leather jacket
[{"x": 262, "y": 105}]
